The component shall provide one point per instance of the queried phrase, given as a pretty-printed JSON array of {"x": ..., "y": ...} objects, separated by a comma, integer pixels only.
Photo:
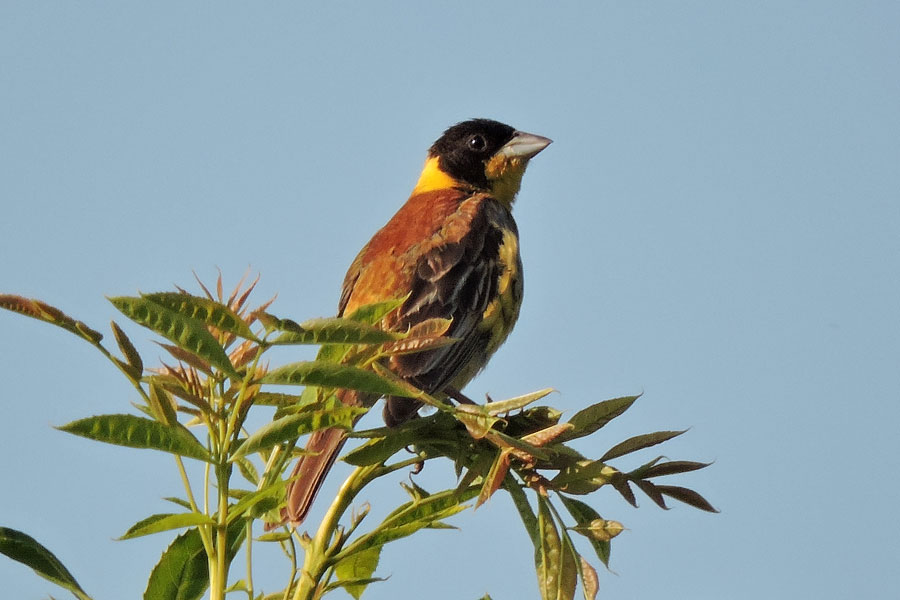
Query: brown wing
[
  {"x": 455, "y": 280},
  {"x": 443, "y": 249}
]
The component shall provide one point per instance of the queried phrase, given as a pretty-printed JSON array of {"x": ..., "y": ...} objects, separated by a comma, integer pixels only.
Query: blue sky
[{"x": 717, "y": 225}]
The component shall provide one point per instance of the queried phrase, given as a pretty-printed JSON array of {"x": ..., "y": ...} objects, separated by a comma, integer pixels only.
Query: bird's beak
[{"x": 524, "y": 145}]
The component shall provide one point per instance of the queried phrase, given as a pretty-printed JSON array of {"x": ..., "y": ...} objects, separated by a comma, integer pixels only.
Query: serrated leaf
[
  {"x": 590, "y": 583},
  {"x": 24, "y": 549},
  {"x": 592, "y": 418},
  {"x": 425, "y": 335},
  {"x": 327, "y": 374},
  {"x": 476, "y": 419},
  {"x": 532, "y": 419},
  {"x": 373, "y": 313},
  {"x": 545, "y": 436},
  {"x": 182, "y": 572},
  {"x": 274, "y": 490},
  {"x": 495, "y": 477},
  {"x": 275, "y": 536},
  {"x": 138, "y": 432},
  {"x": 584, "y": 514},
  {"x": 428, "y": 507},
  {"x": 410, "y": 518},
  {"x": 293, "y": 426},
  {"x": 520, "y": 500},
  {"x": 180, "y": 502},
  {"x": 584, "y": 477},
  {"x": 333, "y": 330},
  {"x": 687, "y": 496},
  {"x": 569, "y": 568},
  {"x": 378, "y": 450},
  {"x": 248, "y": 470},
  {"x": 555, "y": 570},
  {"x": 162, "y": 407},
  {"x": 166, "y": 522},
  {"x": 188, "y": 358},
  {"x": 209, "y": 312},
  {"x": 128, "y": 350},
  {"x": 275, "y": 399},
  {"x": 347, "y": 583},
  {"x": 505, "y": 406},
  {"x": 521, "y": 449},
  {"x": 412, "y": 345},
  {"x": 358, "y": 568},
  {"x": 188, "y": 333},
  {"x": 42, "y": 311},
  {"x": 639, "y": 442}
]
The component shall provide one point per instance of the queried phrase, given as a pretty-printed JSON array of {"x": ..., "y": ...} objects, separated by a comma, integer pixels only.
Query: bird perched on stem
[{"x": 453, "y": 252}]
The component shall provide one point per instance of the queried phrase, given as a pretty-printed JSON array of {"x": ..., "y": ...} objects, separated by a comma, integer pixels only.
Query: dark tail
[{"x": 311, "y": 469}]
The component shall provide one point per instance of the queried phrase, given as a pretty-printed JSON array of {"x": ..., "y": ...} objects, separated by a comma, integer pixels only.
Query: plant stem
[{"x": 318, "y": 554}]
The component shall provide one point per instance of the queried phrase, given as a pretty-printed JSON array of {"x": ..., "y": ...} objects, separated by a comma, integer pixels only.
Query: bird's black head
[
  {"x": 482, "y": 154},
  {"x": 465, "y": 147}
]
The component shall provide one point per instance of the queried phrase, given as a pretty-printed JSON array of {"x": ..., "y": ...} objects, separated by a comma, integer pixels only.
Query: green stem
[{"x": 320, "y": 550}]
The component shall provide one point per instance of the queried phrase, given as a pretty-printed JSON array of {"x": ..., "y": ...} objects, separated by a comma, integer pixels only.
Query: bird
[{"x": 452, "y": 251}]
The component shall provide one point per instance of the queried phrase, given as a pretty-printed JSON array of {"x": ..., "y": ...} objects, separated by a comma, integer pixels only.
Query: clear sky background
[{"x": 717, "y": 225}]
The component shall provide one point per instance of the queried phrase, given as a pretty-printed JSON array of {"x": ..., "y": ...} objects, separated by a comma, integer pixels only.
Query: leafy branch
[{"x": 197, "y": 408}]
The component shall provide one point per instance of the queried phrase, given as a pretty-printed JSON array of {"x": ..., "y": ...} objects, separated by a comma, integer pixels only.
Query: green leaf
[
  {"x": 275, "y": 399},
  {"x": 42, "y": 311},
  {"x": 584, "y": 515},
  {"x": 128, "y": 350},
  {"x": 520, "y": 500},
  {"x": 594, "y": 417},
  {"x": 166, "y": 522},
  {"x": 180, "y": 502},
  {"x": 187, "y": 333},
  {"x": 275, "y": 536},
  {"x": 584, "y": 477},
  {"x": 293, "y": 426},
  {"x": 327, "y": 374},
  {"x": 182, "y": 572},
  {"x": 138, "y": 432},
  {"x": 429, "y": 507},
  {"x": 639, "y": 442},
  {"x": 373, "y": 313},
  {"x": 476, "y": 418},
  {"x": 23, "y": 548},
  {"x": 570, "y": 566},
  {"x": 248, "y": 470},
  {"x": 274, "y": 490},
  {"x": 410, "y": 518},
  {"x": 379, "y": 449},
  {"x": 555, "y": 570},
  {"x": 208, "y": 312},
  {"x": 332, "y": 330},
  {"x": 356, "y": 569},
  {"x": 162, "y": 406},
  {"x": 505, "y": 406}
]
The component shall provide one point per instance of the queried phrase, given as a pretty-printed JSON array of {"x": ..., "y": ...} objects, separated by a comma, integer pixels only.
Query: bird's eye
[{"x": 476, "y": 143}]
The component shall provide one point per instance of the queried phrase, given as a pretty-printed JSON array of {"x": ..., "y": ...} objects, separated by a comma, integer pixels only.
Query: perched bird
[{"x": 453, "y": 249}]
